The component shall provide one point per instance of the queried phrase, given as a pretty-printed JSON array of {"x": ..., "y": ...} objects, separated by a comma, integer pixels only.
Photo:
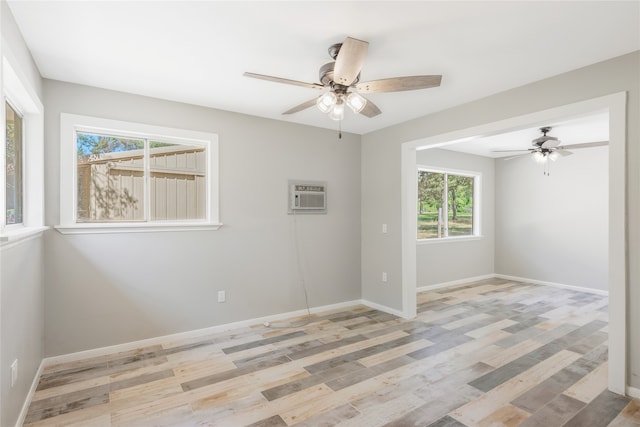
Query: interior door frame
[{"x": 615, "y": 105}]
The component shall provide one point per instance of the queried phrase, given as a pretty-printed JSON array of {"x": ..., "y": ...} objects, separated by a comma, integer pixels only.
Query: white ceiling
[{"x": 196, "y": 52}]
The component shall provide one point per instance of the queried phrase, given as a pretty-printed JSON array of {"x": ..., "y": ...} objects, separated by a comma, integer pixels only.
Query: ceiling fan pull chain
[{"x": 340, "y": 129}]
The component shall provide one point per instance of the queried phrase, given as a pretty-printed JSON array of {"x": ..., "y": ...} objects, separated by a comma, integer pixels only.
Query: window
[
  {"x": 115, "y": 174},
  {"x": 122, "y": 176},
  {"x": 447, "y": 204},
  {"x": 21, "y": 158},
  {"x": 13, "y": 166}
]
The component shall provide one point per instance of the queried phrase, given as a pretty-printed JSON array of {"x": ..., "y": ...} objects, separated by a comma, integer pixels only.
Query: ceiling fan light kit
[
  {"x": 326, "y": 102},
  {"x": 553, "y": 156},
  {"x": 543, "y": 156},
  {"x": 539, "y": 157},
  {"x": 356, "y": 102},
  {"x": 333, "y": 104},
  {"x": 337, "y": 112},
  {"x": 342, "y": 78}
]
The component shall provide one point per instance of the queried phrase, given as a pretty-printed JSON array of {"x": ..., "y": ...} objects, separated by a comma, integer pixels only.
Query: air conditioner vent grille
[{"x": 308, "y": 197}]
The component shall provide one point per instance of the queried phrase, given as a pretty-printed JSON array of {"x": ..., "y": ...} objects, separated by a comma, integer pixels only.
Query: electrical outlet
[
  {"x": 384, "y": 228},
  {"x": 14, "y": 372},
  {"x": 222, "y": 296},
  {"x": 384, "y": 276}
]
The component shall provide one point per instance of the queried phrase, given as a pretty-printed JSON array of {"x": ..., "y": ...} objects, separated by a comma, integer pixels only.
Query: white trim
[
  {"x": 408, "y": 226},
  {"x": 153, "y": 227},
  {"x": 455, "y": 282},
  {"x": 10, "y": 238},
  {"x": 615, "y": 104},
  {"x": 71, "y": 123},
  {"x": 449, "y": 239},
  {"x": 70, "y": 357},
  {"x": 633, "y": 392},
  {"x": 438, "y": 169},
  {"x": 553, "y": 284},
  {"x": 618, "y": 327},
  {"x": 23, "y": 97},
  {"x": 470, "y": 280},
  {"x": 25, "y": 406},
  {"x": 102, "y": 351},
  {"x": 384, "y": 308}
]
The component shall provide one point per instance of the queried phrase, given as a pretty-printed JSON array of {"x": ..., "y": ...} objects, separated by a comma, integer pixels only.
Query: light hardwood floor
[{"x": 490, "y": 353}]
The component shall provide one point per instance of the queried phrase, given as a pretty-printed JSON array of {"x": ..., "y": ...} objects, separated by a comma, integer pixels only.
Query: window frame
[
  {"x": 477, "y": 202},
  {"x": 24, "y": 99},
  {"x": 70, "y": 124}
]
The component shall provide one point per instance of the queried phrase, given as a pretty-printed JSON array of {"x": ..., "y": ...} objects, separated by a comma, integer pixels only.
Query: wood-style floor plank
[{"x": 490, "y": 353}]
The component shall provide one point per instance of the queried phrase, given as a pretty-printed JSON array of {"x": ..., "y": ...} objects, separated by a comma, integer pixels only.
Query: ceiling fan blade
[
  {"x": 508, "y": 151},
  {"x": 585, "y": 145},
  {"x": 302, "y": 106},
  {"x": 370, "y": 109},
  {"x": 285, "y": 81},
  {"x": 550, "y": 143},
  {"x": 562, "y": 152},
  {"x": 398, "y": 84},
  {"x": 349, "y": 61}
]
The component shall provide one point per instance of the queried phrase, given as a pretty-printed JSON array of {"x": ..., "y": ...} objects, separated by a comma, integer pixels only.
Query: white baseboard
[
  {"x": 633, "y": 392},
  {"x": 555, "y": 285},
  {"x": 25, "y": 406},
  {"x": 455, "y": 282},
  {"x": 507, "y": 277},
  {"x": 102, "y": 351},
  {"x": 381, "y": 307},
  {"x": 276, "y": 317}
]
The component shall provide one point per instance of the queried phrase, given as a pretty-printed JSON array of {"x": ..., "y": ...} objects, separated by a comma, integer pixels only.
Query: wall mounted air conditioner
[{"x": 307, "y": 197}]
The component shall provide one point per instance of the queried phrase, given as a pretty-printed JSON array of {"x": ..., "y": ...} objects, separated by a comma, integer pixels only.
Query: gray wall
[
  {"x": 381, "y": 180},
  {"x": 105, "y": 289},
  {"x": 22, "y": 322},
  {"x": 21, "y": 270},
  {"x": 554, "y": 228},
  {"x": 447, "y": 261}
]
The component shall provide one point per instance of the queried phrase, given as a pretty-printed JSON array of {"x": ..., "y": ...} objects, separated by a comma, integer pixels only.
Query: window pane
[
  {"x": 13, "y": 177},
  {"x": 110, "y": 178},
  {"x": 430, "y": 201},
  {"x": 177, "y": 182},
  {"x": 460, "y": 205}
]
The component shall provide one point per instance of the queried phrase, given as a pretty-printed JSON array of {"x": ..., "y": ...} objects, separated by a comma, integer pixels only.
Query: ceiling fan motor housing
[
  {"x": 334, "y": 50},
  {"x": 542, "y": 140},
  {"x": 538, "y": 142},
  {"x": 326, "y": 75}
]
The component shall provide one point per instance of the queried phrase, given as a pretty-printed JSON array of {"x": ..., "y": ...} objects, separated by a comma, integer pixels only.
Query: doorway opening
[{"x": 615, "y": 107}]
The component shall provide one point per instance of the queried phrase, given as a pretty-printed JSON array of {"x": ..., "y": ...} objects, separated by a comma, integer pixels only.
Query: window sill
[
  {"x": 447, "y": 240},
  {"x": 19, "y": 234},
  {"x": 134, "y": 228}
]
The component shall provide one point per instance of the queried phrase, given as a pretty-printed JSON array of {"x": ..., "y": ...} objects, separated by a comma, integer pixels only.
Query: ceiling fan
[
  {"x": 342, "y": 78},
  {"x": 548, "y": 147}
]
